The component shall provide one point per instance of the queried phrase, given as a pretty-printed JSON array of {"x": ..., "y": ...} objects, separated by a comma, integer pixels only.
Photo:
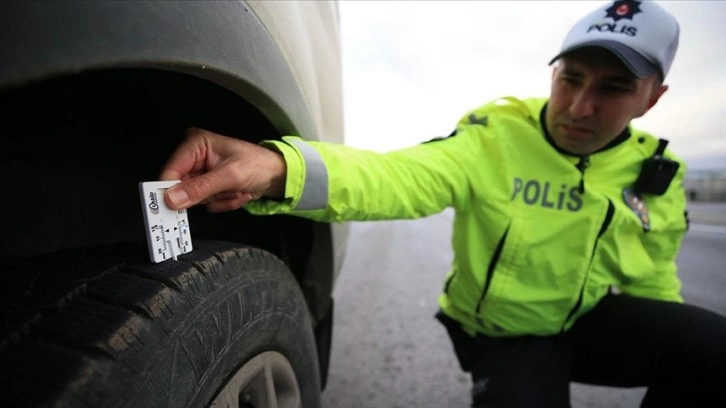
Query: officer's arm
[{"x": 336, "y": 183}]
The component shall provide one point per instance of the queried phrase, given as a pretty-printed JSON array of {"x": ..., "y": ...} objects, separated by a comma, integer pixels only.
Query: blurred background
[{"x": 411, "y": 69}]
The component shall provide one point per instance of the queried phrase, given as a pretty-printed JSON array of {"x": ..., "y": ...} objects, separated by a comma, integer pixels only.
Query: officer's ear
[{"x": 656, "y": 92}]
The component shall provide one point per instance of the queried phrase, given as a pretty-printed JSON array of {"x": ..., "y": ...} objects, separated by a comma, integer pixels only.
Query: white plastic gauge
[{"x": 167, "y": 230}]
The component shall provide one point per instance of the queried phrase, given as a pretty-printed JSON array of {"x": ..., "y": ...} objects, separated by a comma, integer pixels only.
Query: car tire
[{"x": 224, "y": 325}]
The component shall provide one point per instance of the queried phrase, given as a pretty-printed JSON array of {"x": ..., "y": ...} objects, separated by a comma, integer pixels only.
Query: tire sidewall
[{"x": 250, "y": 309}]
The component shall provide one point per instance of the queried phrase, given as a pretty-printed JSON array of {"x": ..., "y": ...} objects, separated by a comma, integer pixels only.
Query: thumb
[
  {"x": 176, "y": 197},
  {"x": 193, "y": 191}
]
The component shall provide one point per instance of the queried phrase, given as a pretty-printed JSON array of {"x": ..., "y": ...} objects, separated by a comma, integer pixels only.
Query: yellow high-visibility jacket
[{"x": 539, "y": 236}]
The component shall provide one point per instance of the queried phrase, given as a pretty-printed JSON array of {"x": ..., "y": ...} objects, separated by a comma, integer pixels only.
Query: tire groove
[
  {"x": 165, "y": 281},
  {"x": 138, "y": 310},
  {"x": 51, "y": 340}
]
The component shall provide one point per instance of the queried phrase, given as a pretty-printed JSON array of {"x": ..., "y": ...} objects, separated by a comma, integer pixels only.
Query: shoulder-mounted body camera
[{"x": 657, "y": 172}]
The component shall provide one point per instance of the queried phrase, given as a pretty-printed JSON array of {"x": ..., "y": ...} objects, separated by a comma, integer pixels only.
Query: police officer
[{"x": 568, "y": 221}]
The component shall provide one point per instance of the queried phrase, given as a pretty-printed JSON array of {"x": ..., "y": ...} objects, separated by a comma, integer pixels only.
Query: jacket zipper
[
  {"x": 582, "y": 165},
  {"x": 603, "y": 228},
  {"x": 490, "y": 269}
]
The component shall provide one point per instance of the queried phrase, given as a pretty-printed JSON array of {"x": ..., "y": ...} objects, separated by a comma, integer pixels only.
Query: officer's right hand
[{"x": 222, "y": 172}]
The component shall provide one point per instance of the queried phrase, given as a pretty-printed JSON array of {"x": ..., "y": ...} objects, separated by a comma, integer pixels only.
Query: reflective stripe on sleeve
[{"x": 315, "y": 191}]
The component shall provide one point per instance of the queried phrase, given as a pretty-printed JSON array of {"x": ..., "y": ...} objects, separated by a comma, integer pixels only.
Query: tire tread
[{"x": 102, "y": 330}]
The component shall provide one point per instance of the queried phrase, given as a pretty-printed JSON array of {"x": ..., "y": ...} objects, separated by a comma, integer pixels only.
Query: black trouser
[{"x": 678, "y": 351}]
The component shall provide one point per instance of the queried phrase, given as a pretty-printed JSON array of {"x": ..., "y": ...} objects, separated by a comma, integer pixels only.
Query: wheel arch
[
  {"x": 221, "y": 42},
  {"x": 64, "y": 195}
]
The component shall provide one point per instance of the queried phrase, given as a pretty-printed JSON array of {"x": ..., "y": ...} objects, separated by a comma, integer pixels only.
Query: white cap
[{"x": 641, "y": 33}]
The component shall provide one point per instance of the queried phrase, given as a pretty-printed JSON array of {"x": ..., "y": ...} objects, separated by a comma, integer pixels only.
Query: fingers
[
  {"x": 189, "y": 157},
  {"x": 222, "y": 172},
  {"x": 189, "y": 163},
  {"x": 192, "y": 191},
  {"x": 228, "y": 182}
]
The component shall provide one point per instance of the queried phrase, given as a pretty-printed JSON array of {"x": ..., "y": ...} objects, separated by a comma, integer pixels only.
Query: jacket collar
[{"x": 615, "y": 142}]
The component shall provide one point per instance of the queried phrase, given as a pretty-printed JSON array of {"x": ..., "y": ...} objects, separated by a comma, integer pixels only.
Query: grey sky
[{"x": 413, "y": 68}]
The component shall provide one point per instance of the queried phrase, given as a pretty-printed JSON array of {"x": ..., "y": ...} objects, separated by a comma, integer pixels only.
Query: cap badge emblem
[{"x": 623, "y": 9}]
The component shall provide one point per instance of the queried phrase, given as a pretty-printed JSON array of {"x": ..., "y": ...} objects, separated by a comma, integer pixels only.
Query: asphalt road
[{"x": 388, "y": 350}]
